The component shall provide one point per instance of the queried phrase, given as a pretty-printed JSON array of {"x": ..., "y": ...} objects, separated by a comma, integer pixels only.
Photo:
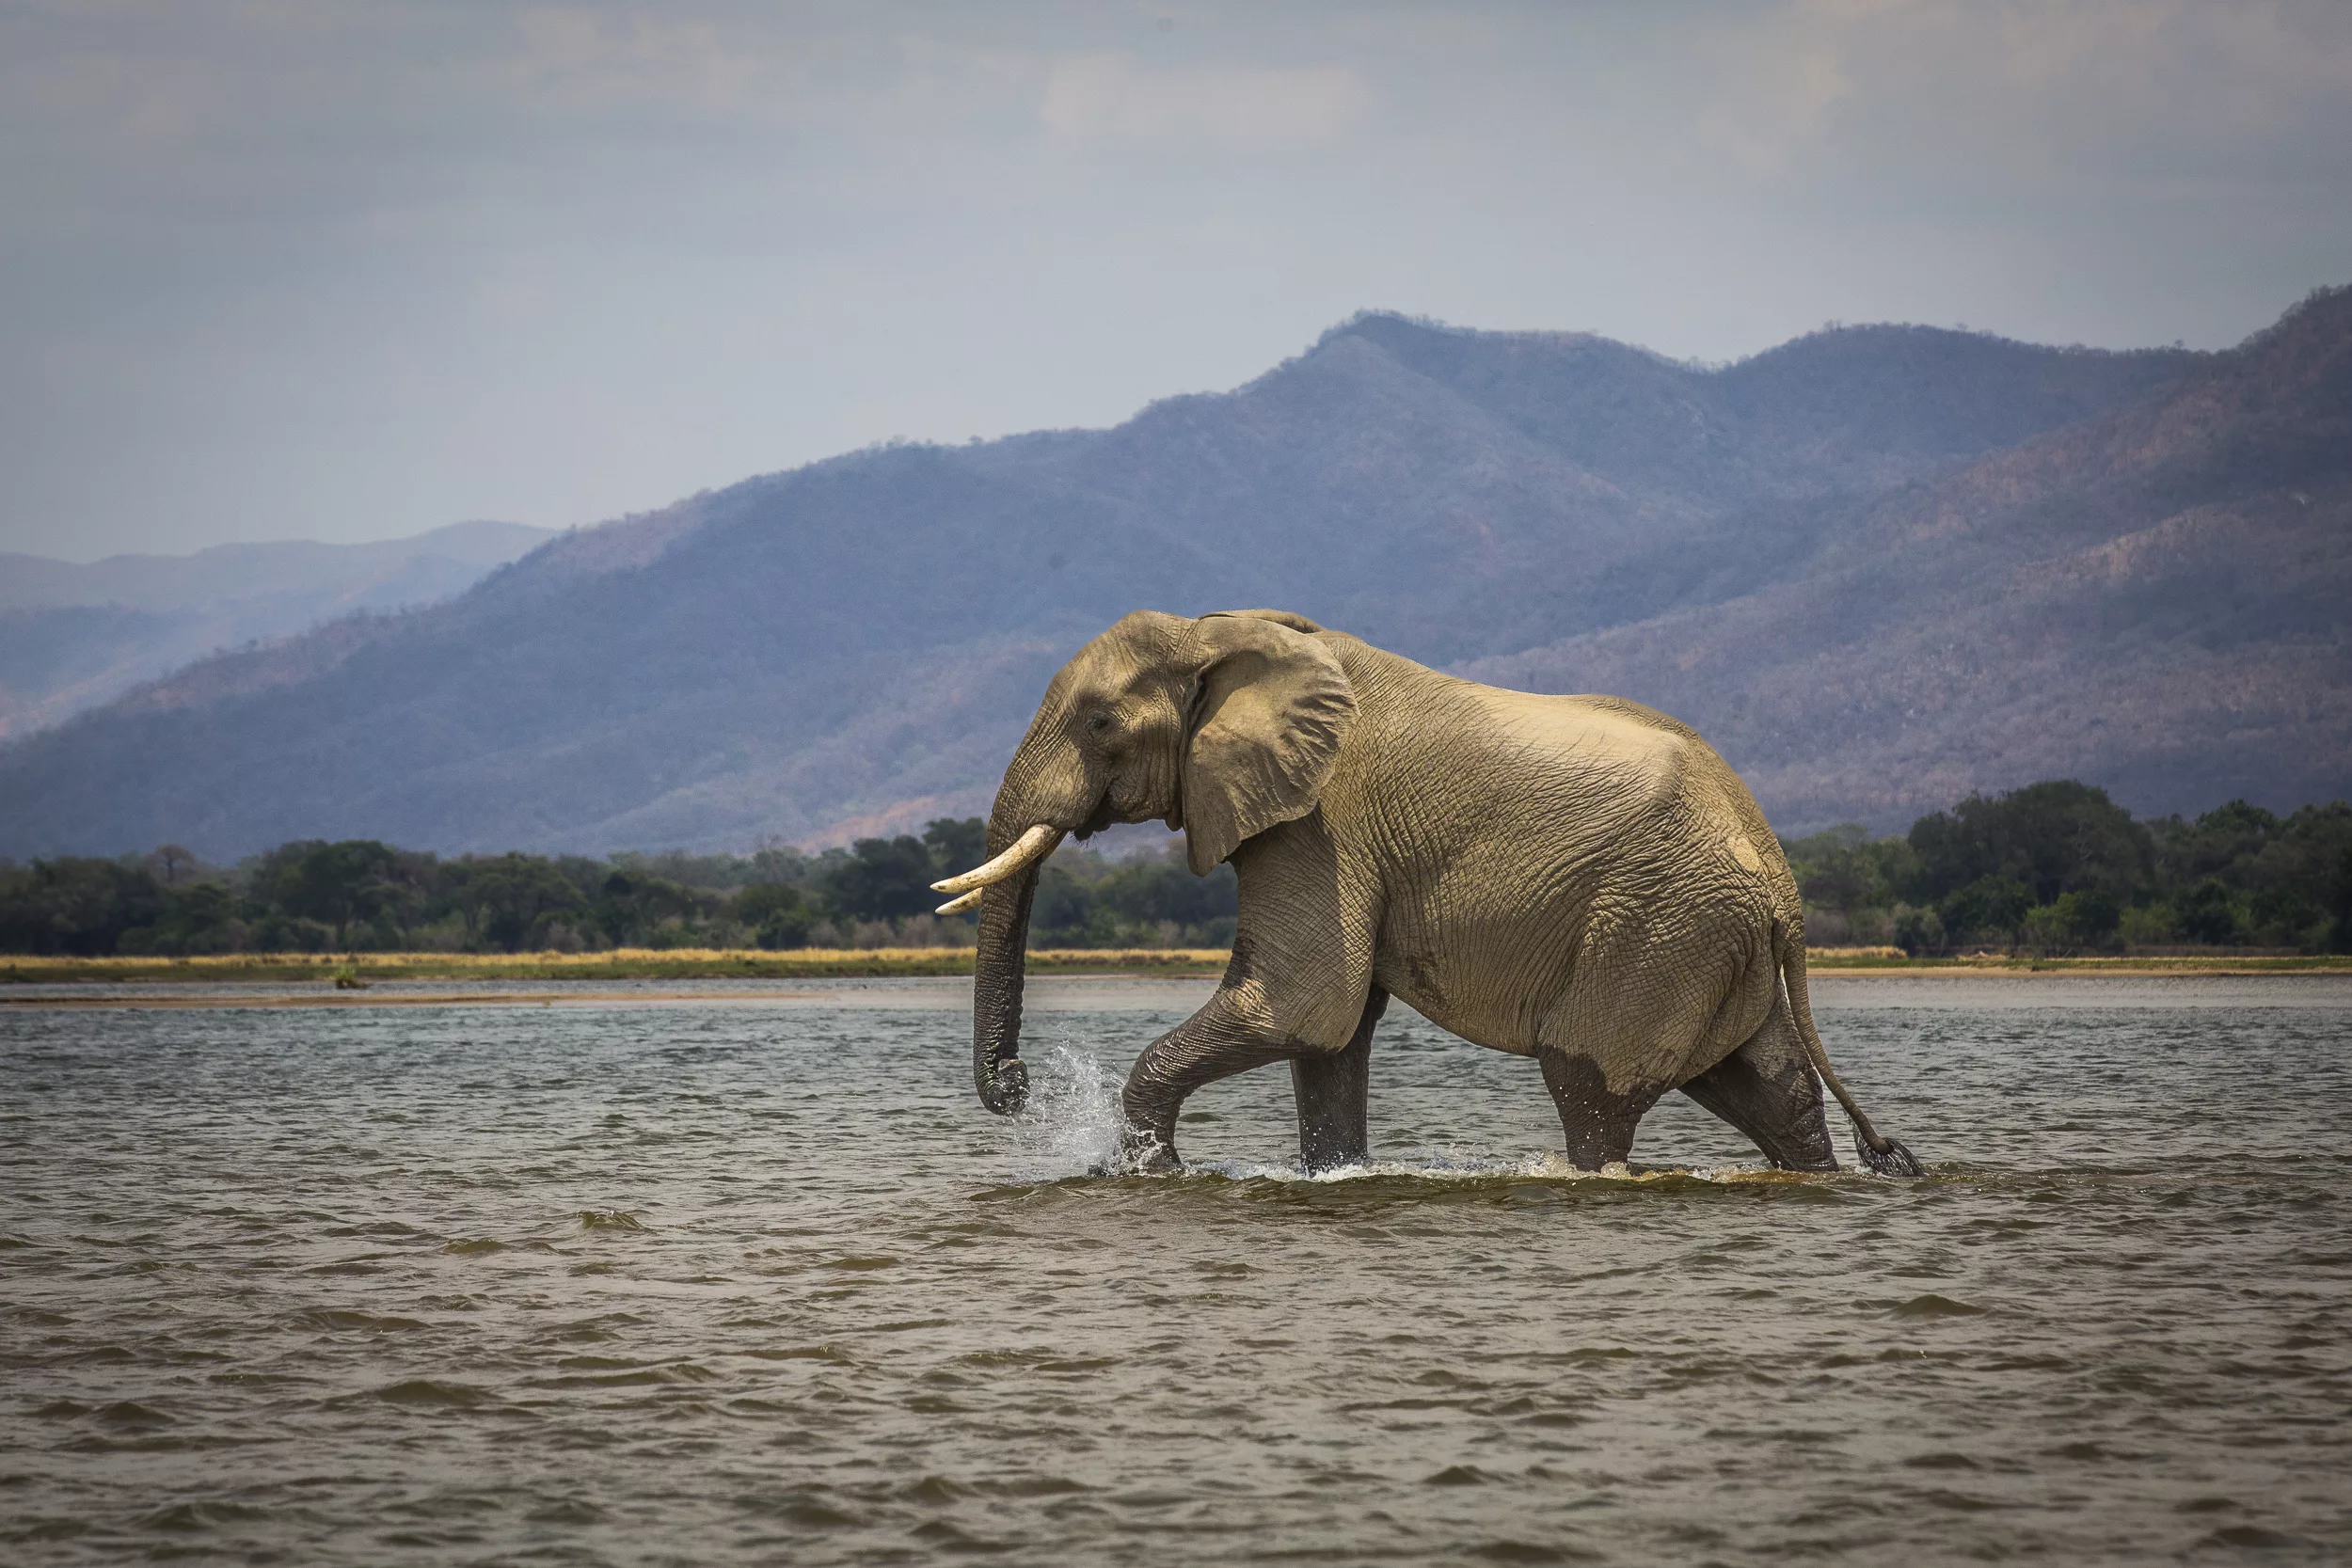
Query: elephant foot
[
  {"x": 1768, "y": 1090},
  {"x": 1598, "y": 1122},
  {"x": 1144, "y": 1153}
]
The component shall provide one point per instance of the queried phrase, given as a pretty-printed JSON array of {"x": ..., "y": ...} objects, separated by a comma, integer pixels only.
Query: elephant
[{"x": 1577, "y": 879}]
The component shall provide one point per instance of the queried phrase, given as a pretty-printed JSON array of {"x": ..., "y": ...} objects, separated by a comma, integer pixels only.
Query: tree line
[
  {"x": 2057, "y": 868},
  {"x": 362, "y": 895},
  {"x": 2054, "y": 867}
]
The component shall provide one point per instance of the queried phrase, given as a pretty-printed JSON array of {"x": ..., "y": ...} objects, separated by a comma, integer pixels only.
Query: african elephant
[{"x": 1580, "y": 879}]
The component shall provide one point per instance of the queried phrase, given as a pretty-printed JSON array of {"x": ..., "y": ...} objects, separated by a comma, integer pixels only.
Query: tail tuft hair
[
  {"x": 1893, "y": 1160},
  {"x": 1884, "y": 1155}
]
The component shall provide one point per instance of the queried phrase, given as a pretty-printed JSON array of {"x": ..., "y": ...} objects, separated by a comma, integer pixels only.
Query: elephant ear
[{"x": 1271, "y": 710}]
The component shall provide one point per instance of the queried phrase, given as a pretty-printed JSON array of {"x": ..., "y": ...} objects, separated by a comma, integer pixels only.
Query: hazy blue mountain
[
  {"x": 856, "y": 645},
  {"x": 73, "y": 635}
]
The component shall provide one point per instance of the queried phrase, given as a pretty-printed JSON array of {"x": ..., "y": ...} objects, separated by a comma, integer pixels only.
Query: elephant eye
[{"x": 1097, "y": 725}]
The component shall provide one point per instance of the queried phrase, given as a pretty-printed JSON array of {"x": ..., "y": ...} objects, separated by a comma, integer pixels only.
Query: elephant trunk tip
[{"x": 1004, "y": 1085}]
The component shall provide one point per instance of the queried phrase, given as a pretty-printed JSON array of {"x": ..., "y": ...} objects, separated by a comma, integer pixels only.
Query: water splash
[
  {"x": 1072, "y": 1124},
  {"x": 1072, "y": 1127}
]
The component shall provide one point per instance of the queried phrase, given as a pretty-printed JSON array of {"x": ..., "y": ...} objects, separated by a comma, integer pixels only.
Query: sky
[{"x": 343, "y": 271}]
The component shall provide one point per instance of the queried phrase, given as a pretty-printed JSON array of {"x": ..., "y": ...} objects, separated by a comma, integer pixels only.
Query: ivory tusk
[
  {"x": 1028, "y": 847},
  {"x": 961, "y": 902}
]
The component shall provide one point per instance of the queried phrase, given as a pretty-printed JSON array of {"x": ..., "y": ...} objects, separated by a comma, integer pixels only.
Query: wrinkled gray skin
[{"x": 1579, "y": 879}]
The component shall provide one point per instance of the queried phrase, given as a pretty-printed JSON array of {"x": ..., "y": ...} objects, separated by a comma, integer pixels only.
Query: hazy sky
[{"x": 349, "y": 271}]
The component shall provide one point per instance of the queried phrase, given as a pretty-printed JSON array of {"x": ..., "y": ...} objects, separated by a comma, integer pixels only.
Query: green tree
[
  {"x": 1920, "y": 931},
  {"x": 883, "y": 879},
  {"x": 200, "y": 917},
  {"x": 778, "y": 914},
  {"x": 1064, "y": 907},
  {"x": 2224, "y": 843},
  {"x": 2208, "y": 914},
  {"x": 1988, "y": 906},
  {"x": 957, "y": 844},
  {"x": 2073, "y": 921},
  {"x": 512, "y": 899},
  {"x": 75, "y": 905},
  {"x": 1845, "y": 868},
  {"x": 2339, "y": 904},
  {"x": 631, "y": 905},
  {"x": 2058, "y": 836},
  {"x": 358, "y": 881}
]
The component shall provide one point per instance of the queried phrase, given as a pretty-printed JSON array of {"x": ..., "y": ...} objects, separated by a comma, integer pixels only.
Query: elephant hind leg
[
  {"x": 1600, "y": 1121},
  {"x": 1334, "y": 1095},
  {"x": 1768, "y": 1090}
]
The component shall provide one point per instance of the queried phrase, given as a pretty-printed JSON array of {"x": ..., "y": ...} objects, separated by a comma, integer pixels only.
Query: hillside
[
  {"x": 1868, "y": 563},
  {"x": 75, "y": 635},
  {"x": 2158, "y": 598}
]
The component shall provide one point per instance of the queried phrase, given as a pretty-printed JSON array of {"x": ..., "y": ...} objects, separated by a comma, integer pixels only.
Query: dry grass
[
  {"x": 711, "y": 964},
  {"x": 624, "y": 964}
]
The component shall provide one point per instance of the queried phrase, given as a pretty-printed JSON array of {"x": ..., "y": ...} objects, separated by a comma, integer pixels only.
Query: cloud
[
  {"x": 2023, "y": 89},
  {"x": 353, "y": 269},
  {"x": 1115, "y": 98}
]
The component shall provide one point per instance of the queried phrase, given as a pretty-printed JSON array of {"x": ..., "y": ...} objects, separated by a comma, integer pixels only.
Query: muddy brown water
[{"x": 752, "y": 1278}]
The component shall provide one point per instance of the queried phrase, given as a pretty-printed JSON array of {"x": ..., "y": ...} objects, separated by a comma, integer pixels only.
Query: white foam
[
  {"x": 1545, "y": 1166},
  {"x": 1072, "y": 1123},
  {"x": 1073, "y": 1126}
]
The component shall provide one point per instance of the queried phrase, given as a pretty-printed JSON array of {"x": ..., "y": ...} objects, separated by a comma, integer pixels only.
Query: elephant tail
[{"x": 1883, "y": 1154}]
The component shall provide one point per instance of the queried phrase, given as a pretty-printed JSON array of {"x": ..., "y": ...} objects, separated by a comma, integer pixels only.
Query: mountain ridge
[
  {"x": 858, "y": 642},
  {"x": 76, "y": 635}
]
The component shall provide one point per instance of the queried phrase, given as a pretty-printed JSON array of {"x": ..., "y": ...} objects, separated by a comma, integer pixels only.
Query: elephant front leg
[
  {"x": 1214, "y": 1043},
  {"x": 1334, "y": 1095}
]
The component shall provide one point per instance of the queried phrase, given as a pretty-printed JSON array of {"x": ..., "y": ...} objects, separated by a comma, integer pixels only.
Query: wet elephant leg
[
  {"x": 1334, "y": 1097},
  {"x": 1767, "y": 1089},
  {"x": 1214, "y": 1043},
  {"x": 1598, "y": 1121}
]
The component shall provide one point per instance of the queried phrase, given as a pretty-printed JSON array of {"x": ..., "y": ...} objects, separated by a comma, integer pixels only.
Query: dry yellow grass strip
[
  {"x": 142, "y": 999},
  {"x": 649, "y": 963},
  {"x": 626, "y": 963}
]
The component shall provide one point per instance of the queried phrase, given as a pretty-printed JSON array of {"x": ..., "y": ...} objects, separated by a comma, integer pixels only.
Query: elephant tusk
[
  {"x": 961, "y": 902},
  {"x": 1030, "y": 846}
]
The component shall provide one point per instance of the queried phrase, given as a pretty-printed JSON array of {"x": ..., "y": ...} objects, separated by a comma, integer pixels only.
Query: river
[{"x": 735, "y": 1273}]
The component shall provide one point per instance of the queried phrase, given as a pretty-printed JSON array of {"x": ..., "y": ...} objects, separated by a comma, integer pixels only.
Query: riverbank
[{"x": 356, "y": 971}]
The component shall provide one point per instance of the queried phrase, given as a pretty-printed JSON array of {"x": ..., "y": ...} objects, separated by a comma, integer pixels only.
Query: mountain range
[
  {"x": 1878, "y": 567},
  {"x": 74, "y": 635}
]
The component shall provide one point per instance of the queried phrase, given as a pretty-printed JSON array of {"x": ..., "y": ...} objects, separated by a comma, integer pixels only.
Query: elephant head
[{"x": 1224, "y": 727}]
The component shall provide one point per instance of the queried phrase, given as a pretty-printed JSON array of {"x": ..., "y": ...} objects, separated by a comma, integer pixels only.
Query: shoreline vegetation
[
  {"x": 2051, "y": 872},
  {"x": 351, "y": 972}
]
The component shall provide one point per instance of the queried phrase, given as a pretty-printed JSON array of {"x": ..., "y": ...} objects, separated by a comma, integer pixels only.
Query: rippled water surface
[{"x": 737, "y": 1278}]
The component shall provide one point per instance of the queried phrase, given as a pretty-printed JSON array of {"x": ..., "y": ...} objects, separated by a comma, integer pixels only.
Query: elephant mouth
[{"x": 1101, "y": 816}]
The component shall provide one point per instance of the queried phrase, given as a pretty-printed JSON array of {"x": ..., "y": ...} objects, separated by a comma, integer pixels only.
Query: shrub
[
  {"x": 1989, "y": 907},
  {"x": 1920, "y": 931},
  {"x": 2207, "y": 913},
  {"x": 779, "y": 917}
]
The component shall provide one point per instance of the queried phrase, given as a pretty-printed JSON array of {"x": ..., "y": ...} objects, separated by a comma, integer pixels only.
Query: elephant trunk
[
  {"x": 1045, "y": 794},
  {"x": 998, "y": 974}
]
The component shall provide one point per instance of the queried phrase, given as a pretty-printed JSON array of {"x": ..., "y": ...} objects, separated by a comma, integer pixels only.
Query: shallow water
[{"x": 751, "y": 1278}]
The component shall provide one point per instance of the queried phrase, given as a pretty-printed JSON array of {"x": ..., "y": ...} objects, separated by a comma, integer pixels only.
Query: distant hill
[
  {"x": 74, "y": 636},
  {"x": 2157, "y": 598},
  {"x": 1879, "y": 565}
]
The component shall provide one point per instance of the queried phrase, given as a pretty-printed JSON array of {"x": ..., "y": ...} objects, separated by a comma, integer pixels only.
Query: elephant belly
[
  {"x": 1493, "y": 987},
  {"x": 1647, "y": 985}
]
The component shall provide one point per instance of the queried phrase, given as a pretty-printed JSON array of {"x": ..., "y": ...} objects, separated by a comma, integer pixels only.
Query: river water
[{"x": 735, "y": 1274}]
